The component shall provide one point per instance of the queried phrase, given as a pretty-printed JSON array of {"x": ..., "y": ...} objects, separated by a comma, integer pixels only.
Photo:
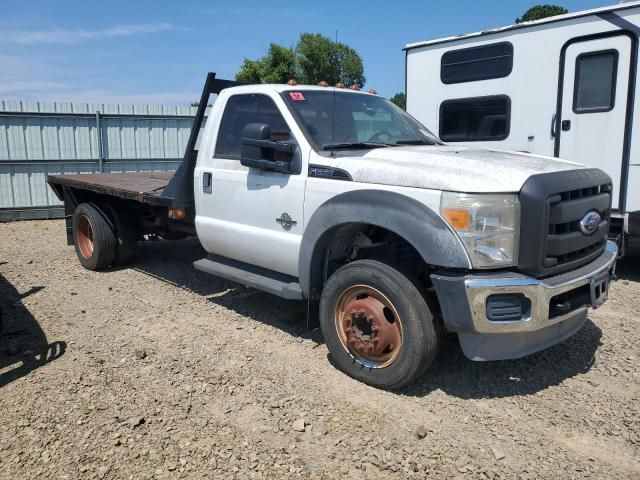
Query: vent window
[{"x": 477, "y": 63}]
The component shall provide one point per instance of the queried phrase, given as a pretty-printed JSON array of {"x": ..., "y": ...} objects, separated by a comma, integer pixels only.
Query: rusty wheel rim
[
  {"x": 369, "y": 326},
  {"x": 84, "y": 236}
]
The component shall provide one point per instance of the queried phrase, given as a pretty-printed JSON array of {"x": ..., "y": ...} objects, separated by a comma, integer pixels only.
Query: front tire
[
  {"x": 377, "y": 325},
  {"x": 93, "y": 237}
]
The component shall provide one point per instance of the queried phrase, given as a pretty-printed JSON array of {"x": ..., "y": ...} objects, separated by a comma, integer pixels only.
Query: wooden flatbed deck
[{"x": 143, "y": 187}]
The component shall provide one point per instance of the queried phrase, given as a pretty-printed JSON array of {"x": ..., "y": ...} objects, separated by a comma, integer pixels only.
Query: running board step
[{"x": 269, "y": 281}]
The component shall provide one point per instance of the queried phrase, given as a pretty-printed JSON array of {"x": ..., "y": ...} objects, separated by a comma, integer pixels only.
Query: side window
[
  {"x": 477, "y": 63},
  {"x": 595, "y": 82},
  {"x": 242, "y": 110},
  {"x": 475, "y": 119}
]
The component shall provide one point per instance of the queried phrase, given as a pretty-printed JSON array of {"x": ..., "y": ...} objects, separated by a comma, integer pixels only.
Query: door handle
[
  {"x": 566, "y": 125},
  {"x": 553, "y": 125},
  {"x": 206, "y": 182}
]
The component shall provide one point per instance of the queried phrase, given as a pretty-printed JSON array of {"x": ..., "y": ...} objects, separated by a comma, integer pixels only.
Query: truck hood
[{"x": 442, "y": 167}]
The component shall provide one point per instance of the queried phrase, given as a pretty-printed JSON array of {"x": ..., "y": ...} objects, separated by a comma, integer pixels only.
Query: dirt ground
[{"x": 159, "y": 371}]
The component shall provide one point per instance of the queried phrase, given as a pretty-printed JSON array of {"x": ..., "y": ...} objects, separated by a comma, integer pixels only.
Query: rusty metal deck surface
[{"x": 144, "y": 187}]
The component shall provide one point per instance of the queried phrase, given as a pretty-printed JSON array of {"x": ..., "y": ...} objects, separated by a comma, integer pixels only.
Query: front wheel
[{"x": 377, "y": 325}]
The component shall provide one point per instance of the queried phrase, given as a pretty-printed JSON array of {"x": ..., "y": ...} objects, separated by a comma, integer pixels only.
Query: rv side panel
[{"x": 522, "y": 104}]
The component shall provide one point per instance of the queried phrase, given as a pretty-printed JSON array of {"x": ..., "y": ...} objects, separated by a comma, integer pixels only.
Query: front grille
[
  {"x": 553, "y": 204},
  {"x": 565, "y": 241}
]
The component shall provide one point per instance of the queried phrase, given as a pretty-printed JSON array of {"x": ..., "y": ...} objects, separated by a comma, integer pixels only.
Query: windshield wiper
[
  {"x": 354, "y": 145},
  {"x": 415, "y": 141}
]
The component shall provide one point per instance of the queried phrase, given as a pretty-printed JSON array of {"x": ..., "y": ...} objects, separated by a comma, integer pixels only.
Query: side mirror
[{"x": 259, "y": 151}]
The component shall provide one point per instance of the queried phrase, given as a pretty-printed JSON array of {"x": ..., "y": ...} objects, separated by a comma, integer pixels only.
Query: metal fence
[{"x": 41, "y": 138}]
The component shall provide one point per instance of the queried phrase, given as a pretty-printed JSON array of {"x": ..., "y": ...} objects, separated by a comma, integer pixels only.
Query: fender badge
[{"x": 286, "y": 222}]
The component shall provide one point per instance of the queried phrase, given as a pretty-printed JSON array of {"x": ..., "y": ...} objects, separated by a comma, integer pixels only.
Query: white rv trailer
[{"x": 564, "y": 86}]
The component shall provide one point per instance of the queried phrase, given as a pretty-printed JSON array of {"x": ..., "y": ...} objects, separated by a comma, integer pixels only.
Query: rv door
[{"x": 592, "y": 120}]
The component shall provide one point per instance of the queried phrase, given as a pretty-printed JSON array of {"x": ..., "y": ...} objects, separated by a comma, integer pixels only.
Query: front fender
[{"x": 423, "y": 228}]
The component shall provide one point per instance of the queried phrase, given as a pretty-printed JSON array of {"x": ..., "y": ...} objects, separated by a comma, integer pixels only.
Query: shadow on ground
[
  {"x": 172, "y": 262},
  {"x": 23, "y": 344},
  {"x": 452, "y": 372}
]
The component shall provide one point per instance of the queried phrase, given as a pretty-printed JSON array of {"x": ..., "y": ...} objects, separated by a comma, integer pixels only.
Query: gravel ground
[{"x": 159, "y": 371}]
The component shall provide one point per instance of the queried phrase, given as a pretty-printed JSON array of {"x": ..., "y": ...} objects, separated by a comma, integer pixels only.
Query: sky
[{"x": 158, "y": 51}]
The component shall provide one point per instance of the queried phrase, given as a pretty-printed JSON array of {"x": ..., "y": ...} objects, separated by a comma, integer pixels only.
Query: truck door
[
  {"x": 252, "y": 215},
  {"x": 593, "y": 109}
]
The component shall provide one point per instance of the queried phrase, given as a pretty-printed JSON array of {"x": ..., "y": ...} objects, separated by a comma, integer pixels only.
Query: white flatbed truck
[{"x": 341, "y": 199}]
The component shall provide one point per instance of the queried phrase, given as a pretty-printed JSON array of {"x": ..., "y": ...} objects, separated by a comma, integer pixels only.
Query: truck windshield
[{"x": 347, "y": 120}]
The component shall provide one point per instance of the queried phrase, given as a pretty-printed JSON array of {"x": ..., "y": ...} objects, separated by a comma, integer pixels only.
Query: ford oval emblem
[{"x": 590, "y": 223}]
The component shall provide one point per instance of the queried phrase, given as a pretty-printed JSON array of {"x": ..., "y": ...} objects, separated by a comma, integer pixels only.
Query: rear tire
[
  {"x": 377, "y": 325},
  {"x": 126, "y": 231},
  {"x": 93, "y": 237}
]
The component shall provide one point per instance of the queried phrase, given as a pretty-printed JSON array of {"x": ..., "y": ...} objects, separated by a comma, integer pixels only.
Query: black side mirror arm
[
  {"x": 270, "y": 165},
  {"x": 286, "y": 147}
]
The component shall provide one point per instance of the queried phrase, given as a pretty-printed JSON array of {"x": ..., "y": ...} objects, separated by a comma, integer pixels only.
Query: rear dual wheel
[
  {"x": 103, "y": 236},
  {"x": 125, "y": 228},
  {"x": 93, "y": 237},
  {"x": 377, "y": 325}
]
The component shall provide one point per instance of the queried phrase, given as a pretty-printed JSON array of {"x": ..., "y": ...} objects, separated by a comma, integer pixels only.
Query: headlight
[{"x": 488, "y": 225}]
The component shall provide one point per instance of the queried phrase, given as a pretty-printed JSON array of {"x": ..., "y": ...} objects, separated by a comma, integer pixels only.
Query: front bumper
[{"x": 463, "y": 301}]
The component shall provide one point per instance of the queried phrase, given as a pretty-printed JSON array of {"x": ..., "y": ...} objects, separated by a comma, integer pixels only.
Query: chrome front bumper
[
  {"x": 539, "y": 292},
  {"x": 484, "y": 339}
]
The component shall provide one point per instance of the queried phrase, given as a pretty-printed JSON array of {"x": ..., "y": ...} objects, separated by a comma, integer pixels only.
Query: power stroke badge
[{"x": 286, "y": 222}]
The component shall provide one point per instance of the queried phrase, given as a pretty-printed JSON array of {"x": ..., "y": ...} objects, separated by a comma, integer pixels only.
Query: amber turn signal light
[
  {"x": 457, "y": 218},
  {"x": 176, "y": 213}
]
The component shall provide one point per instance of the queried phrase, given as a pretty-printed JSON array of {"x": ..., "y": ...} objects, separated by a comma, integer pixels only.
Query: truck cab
[{"x": 339, "y": 198}]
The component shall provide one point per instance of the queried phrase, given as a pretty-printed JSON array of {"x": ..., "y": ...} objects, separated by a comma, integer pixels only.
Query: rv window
[
  {"x": 477, "y": 63},
  {"x": 475, "y": 119},
  {"x": 595, "y": 84}
]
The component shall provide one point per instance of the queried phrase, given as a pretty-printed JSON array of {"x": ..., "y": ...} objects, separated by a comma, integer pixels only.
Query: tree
[
  {"x": 313, "y": 59},
  {"x": 350, "y": 67},
  {"x": 320, "y": 58},
  {"x": 541, "y": 11},
  {"x": 277, "y": 66},
  {"x": 400, "y": 99}
]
